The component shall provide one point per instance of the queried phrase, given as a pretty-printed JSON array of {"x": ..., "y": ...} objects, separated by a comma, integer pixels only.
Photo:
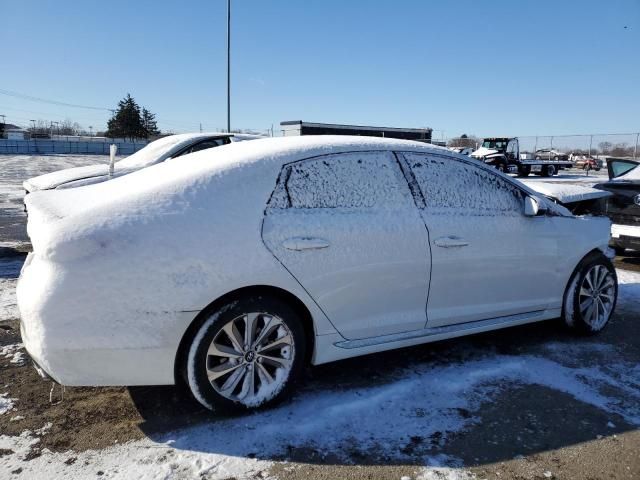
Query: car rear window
[{"x": 348, "y": 180}]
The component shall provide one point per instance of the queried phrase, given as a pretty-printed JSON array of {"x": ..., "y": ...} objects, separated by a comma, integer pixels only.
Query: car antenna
[{"x": 113, "y": 148}]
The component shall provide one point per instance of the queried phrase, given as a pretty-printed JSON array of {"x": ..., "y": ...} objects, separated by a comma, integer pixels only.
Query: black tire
[
  {"x": 524, "y": 171},
  {"x": 548, "y": 171},
  {"x": 619, "y": 250},
  {"x": 574, "y": 316},
  {"x": 502, "y": 167},
  {"x": 198, "y": 361}
]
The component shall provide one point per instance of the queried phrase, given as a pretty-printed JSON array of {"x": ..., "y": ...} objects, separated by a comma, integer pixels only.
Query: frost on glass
[
  {"x": 279, "y": 198},
  {"x": 350, "y": 180},
  {"x": 448, "y": 184}
]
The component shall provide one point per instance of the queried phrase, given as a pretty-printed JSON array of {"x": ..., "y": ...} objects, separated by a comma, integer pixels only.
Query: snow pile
[
  {"x": 443, "y": 474},
  {"x": 6, "y": 403},
  {"x": 14, "y": 352}
]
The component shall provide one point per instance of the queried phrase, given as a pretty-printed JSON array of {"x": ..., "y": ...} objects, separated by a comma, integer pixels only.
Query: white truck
[{"x": 504, "y": 154}]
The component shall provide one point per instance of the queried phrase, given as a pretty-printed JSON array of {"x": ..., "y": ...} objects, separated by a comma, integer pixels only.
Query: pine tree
[
  {"x": 126, "y": 121},
  {"x": 149, "y": 123}
]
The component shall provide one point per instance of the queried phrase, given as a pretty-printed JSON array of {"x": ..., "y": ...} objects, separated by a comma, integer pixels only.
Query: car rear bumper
[
  {"x": 625, "y": 236},
  {"x": 110, "y": 347}
]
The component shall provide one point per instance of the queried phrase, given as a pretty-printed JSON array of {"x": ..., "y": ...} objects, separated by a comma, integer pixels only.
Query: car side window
[
  {"x": 448, "y": 184},
  {"x": 215, "y": 142},
  {"x": 347, "y": 180}
]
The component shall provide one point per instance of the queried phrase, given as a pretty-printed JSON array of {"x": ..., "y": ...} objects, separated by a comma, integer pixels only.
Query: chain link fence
[{"x": 594, "y": 145}]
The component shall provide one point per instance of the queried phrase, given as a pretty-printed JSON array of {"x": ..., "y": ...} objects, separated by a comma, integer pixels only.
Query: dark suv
[{"x": 623, "y": 207}]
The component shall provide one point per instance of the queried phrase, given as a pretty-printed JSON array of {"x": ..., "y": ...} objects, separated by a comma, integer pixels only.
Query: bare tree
[
  {"x": 69, "y": 127},
  {"x": 605, "y": 147},
  {"x": 464, "y": 140}
]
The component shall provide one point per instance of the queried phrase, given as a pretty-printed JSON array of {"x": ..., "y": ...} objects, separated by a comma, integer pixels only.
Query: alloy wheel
[
  {"x": 250, "y": 358},
  {"x": 597, "y": 295}
]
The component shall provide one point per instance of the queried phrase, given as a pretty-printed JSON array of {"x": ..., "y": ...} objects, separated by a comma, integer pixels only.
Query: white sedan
[
  {"x": 171, "y": 146},
  {"x": 230, "y": 269}
]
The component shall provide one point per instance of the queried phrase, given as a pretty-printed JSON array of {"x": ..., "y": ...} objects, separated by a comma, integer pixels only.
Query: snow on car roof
[{"x": 174, "y": 184}]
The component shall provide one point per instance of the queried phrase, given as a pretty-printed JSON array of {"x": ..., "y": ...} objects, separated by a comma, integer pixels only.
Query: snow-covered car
[
  {"x": 230, "y": 269},
  {"x": 171, "y": 146}
]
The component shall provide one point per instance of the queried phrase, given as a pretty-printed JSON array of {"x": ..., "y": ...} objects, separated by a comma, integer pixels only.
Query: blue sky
[{"x": 502, "y": 67}]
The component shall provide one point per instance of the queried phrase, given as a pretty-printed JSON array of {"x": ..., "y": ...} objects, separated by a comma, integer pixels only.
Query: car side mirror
[{"x": 531, "y": 206}]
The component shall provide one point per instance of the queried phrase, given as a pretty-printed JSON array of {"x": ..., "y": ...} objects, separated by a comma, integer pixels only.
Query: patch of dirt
[{"x": 86, "y": 418}]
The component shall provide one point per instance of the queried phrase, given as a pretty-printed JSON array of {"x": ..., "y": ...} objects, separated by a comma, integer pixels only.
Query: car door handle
[
  {"x": 305, "y": 243},
  {"x": 450, "y": 241}
]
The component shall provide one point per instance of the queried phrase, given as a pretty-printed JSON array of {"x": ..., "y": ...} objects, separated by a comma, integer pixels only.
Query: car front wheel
[
  {"x": 591, "y": 295},
  {"x": 247, "y": 354}
]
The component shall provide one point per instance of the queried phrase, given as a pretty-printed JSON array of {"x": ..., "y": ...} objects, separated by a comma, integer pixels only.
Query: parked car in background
[
  {"x": 550, "y": 154},
  {"x": 171, "y": 146},
  {"x": 623, "y": 206},
  {"x": 230, "y": 269},
  {"x": 587, "y": 163}
]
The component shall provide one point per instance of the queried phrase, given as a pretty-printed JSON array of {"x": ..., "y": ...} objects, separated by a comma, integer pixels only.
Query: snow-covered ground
[{"x": 14, "y": 169}]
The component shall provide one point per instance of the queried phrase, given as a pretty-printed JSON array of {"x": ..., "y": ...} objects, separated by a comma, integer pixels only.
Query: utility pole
[
  {"x": 90, "y": 131},
  {"x": 228, "y": 65},
  {"x": 33, "y": 125},
  {"x": 200, "y": 127}
]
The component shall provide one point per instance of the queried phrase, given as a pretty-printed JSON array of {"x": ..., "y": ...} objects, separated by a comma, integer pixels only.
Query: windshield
[
  {"x": 152, "y": 152},
  {"x": 495, "y": 144}
]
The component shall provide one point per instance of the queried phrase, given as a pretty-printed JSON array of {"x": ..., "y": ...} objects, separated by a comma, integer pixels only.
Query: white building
[{"x": 15, "y": 134}]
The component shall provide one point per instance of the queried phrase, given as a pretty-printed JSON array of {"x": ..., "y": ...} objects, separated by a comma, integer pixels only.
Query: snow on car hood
[
  {"x": 483, "y": 152},
  {"x": 55, "y": 179},
  {"x": 565, "y": 192}
]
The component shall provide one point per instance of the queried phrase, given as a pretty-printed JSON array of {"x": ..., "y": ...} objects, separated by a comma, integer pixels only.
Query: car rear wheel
[
  {"x": 247, "y": 354},
  {"x": 524, "y": 171},
  {"x": 591, "y": 295}
]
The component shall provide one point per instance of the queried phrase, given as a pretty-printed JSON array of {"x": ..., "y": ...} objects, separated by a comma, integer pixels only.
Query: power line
[{"x": 24, "y": 96}]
